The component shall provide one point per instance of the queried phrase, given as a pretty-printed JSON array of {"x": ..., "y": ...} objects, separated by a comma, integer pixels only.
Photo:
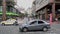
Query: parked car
[
  {"x": 35, "y": 25},
  {"x": 9, "y": 21}
]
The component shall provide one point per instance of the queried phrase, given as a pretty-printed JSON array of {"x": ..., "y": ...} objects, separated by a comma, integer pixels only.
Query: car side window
[
  {"x": 40, "y": 22},
  {"x": 34, "y": 22}
]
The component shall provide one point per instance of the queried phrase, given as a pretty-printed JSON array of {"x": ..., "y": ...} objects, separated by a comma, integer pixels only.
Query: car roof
[{"x": 35, "y": 20}]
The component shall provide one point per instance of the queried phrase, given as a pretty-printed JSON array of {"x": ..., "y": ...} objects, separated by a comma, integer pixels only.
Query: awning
[{"x": 10, "y": 14}]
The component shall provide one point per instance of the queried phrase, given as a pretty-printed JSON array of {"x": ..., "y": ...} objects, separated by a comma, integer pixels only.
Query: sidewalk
[{"x": 56, "y": 26}]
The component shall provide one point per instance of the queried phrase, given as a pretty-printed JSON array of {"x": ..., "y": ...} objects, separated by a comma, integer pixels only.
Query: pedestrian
[{"x": 56, "y": 20}]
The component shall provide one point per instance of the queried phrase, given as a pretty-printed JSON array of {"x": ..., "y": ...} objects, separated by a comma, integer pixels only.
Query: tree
[
  {"x": 26, "y": 14},
  {"x": 5, "y": 4},
  {"x": 4, "y": 10},
  {"x": 21, "y": 15}
]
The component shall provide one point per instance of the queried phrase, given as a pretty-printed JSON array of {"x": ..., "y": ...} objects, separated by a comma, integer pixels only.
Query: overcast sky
[{"x": 25, "y": 3}]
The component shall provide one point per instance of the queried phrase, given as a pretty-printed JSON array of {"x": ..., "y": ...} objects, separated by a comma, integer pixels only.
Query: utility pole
[{"x": 4, "y": 10}]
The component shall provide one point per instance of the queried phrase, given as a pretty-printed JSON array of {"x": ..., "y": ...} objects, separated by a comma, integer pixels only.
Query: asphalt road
[{"x": 15, "y": 30}]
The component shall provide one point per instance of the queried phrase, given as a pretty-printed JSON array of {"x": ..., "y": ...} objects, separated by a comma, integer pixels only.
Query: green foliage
[
  {"x": 12, "y": 2},
  {"x": 26, "y": 14},
  {"x": 8, "y": 2}
]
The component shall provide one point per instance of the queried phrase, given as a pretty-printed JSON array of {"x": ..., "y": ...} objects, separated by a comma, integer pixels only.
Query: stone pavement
[{"x": 55, "y": 29}]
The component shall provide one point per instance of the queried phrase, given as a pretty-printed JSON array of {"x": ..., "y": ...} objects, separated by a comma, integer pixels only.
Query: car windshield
[
  {"x": 30, "y": 21},
  {"x": 8, "y": 20}
]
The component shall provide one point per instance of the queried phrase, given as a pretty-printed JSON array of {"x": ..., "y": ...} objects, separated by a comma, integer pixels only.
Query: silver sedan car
[{"x": 34, "y": 25}]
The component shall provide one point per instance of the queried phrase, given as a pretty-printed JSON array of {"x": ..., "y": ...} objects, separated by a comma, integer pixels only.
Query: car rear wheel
[
  {"x": 3, "y": 24},
  {"x": 20, "y": 30},
  {"x": 45, "y": 29},
  {"x": 24, "y": 29}
]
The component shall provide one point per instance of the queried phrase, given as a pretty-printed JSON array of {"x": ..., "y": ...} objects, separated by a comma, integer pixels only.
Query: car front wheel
[
  {"x": 45, "y": 29},
  {"x": 24, "y": 29}
]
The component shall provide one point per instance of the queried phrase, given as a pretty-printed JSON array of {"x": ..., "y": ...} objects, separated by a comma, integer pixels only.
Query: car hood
[{"x": 22, "y": 25}]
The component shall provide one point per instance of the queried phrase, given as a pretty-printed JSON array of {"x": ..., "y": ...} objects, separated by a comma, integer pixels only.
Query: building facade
[{"x": 43, "y": 8}]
